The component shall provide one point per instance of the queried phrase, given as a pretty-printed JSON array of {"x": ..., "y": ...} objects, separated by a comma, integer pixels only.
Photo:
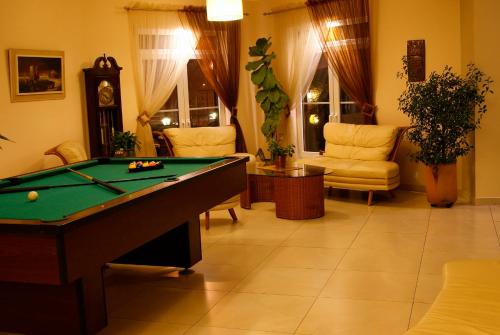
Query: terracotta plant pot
[
  {"x": 441, "y": 184},
  {"x": 280, "y": 162}
]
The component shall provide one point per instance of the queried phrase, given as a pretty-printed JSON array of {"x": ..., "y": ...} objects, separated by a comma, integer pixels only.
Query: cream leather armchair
[
  {"x": 361, "y": 157},
  {"x": 207, "y": 142},
  {"x": 69, "y": 152}
]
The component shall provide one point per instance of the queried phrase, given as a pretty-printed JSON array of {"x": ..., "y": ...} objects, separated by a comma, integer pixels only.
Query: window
[
  {"x": 324, "y": 101},
  {"x": 193, "y": 103}
]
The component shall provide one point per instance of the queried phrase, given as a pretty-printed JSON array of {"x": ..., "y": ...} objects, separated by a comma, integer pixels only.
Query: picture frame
[{"x": 36, "y": 75}]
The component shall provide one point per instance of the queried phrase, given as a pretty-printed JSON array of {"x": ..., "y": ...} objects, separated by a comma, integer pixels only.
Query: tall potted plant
[
  {"x": 270, "y": 96},
  {"x": 443, "y": 110}
]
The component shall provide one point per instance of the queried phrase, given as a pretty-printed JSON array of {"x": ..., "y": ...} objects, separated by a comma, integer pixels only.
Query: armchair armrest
[{"x": 402, "y": 132}]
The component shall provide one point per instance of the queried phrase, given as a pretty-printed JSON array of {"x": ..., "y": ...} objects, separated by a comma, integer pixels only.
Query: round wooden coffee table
[{"x": 297, "y": 191}]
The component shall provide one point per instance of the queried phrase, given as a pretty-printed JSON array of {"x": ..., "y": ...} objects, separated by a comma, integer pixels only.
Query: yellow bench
[{"x": 469, "y": 302}]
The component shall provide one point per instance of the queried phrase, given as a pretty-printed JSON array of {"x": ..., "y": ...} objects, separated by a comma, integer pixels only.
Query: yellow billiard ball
[{"x": 33, "y": 196}]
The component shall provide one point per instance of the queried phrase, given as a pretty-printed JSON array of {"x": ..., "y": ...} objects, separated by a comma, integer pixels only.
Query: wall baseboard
[
  {"x": 413, "y": 188},
  {"x": 487, "y": 201}
]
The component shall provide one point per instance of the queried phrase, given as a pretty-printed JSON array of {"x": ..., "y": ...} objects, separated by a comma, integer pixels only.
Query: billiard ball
[{"x": 33, "y": 196}]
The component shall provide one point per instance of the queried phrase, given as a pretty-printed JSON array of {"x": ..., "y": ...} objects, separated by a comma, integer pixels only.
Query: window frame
[
  {"x": 183, "y": 102},
  {"x": 334, "y": 111}
]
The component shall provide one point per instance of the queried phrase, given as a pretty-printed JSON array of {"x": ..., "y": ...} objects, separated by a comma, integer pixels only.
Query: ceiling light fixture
[{"x": 224, "y": 10}]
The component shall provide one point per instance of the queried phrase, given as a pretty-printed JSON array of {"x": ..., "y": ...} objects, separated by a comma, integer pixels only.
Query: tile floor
[{"x": 358, "y": 270}]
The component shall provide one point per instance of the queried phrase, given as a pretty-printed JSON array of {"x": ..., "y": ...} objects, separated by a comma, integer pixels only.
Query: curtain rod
[
  {"x": 161, "y": 9},
  {"x": 153, "y": 9},
  {"x": 273, "y": 12}
]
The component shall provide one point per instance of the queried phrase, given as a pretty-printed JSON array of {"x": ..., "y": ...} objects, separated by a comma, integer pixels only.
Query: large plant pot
[{"x": 441, "y": 184}]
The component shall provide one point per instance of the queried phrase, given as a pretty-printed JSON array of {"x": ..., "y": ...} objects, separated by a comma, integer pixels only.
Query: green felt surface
[{"x": 57, "y": 203}]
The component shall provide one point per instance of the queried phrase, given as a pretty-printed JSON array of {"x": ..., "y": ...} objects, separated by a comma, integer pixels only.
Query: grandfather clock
[{"x": 104, "y": 104}]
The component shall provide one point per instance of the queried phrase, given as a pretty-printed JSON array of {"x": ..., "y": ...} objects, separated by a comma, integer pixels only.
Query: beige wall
[
  {"x": 393, "y": 22},
  {"x": 84, "y": 30},
  {"x": 486, "y": 54}
]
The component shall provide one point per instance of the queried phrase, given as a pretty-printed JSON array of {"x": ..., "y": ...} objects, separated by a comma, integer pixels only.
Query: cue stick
[
  {"x": 169, "y": 177},
  {"x": 110, "y": 187}
]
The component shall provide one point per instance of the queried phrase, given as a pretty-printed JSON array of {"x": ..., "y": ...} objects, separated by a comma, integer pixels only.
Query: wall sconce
[{"x": 224, "y": 10}]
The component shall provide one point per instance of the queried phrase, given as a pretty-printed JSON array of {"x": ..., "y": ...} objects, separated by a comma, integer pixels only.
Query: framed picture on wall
[{"x": 36, "y": 75}]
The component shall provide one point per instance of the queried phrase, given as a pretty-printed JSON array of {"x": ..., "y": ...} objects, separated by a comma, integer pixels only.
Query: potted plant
[
  {"x": 442, "y": 112},
  {"x": 123, "y": 144},
  {"x": 279, "y": 153},
  {"x": 270, "y": 96}
]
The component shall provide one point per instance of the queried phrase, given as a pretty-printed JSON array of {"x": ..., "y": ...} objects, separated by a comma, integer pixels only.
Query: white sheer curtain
[
  {"x": 161, "y": 49},
  {"x": 298, "y": 52}
]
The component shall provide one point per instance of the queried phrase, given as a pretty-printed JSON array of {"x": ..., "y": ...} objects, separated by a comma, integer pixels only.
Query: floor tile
[
  {"x": 408, "y": 243},
  {"x": 495, "y": 212},
  {"x": 390, "y": 224},
  {"x": 380, "y": 261},
  {"x": 418, "y": 311},
  {"x": 433, "y": 261},
  {"x": 214, "y": 277},
  {"x": 304, "y": 257},
  {"x": 460, "y": 242},
  {"x": 428, "y": 287},
  {"x": 131, "y": 327},
  {"x": 159, "y": 304},
  {"x": 344, "y": 316},
  {"x": 461, "y": 213},
  {"x": 383, "y": 286},
  {"x": 269, "y": 236},
  {"x": 227, "y": 331},
  {"x": 258, "y": 312},
  {"x": 464, "y": 228},
  {"x": 305, "y": 237},
  {"x": 237, "y": 255},
  {"x": 285, "y": 281}
]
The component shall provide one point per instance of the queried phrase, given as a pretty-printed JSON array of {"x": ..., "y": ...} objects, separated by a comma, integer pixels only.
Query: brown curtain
[
  {"x": 219, "y": 58},
  {"x": 343, "y": 26}
]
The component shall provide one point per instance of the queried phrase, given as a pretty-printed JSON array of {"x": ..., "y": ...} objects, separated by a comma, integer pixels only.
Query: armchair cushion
[
  {"x": 202, "y": 141},
  {"x": 362, "y": 142}
]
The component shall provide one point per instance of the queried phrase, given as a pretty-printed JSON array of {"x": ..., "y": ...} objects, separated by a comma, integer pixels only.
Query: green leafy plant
[
  {"x": 277, "y": 150},
  {"x": 442, "y": 112},
  {"x": 126, "y": 141},
  {"x": 271, "y": 97}
]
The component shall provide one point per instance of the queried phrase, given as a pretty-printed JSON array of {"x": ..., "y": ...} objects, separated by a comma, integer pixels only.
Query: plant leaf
[
  {"x": 259, "y": 75},
  {"x": 260, "y": 96},
  {"x": 274, "y": 95},
  {"x": 269, "y": 81},
  {"x": 253, "y": 65},
  {"x": 265, "y": 105}
]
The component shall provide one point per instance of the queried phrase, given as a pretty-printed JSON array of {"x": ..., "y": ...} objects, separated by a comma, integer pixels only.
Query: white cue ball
[{"x": 32, "y": 196}]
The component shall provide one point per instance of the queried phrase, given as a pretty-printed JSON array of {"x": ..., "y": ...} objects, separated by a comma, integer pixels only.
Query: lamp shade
[{"x": 224, "y": 10}]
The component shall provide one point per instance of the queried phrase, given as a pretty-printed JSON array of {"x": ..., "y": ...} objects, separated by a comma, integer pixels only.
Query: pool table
[{"x": 53, "y": 250}]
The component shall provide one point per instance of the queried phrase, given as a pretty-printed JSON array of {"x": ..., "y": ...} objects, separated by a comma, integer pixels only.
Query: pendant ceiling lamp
[{"x": 224, "y": 10}]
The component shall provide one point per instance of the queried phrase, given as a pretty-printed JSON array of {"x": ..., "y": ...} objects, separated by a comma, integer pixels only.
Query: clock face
[{"x": 105, "y": 92}]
